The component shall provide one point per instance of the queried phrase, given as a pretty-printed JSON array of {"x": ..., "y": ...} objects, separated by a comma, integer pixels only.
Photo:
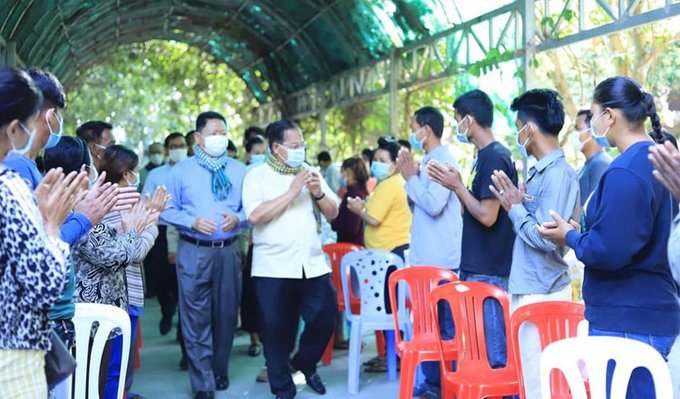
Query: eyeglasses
[{"x": 294, "y": 146}]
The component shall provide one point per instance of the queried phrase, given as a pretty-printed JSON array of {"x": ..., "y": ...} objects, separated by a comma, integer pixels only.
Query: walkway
[{"x": 159, "y": 376}]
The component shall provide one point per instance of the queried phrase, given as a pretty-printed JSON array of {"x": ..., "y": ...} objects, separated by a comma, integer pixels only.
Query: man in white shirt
[{"x": 292, "y": 278}]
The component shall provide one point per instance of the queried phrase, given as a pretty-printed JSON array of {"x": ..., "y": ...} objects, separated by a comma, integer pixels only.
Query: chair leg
[
  {"x": 354, "y": 361},
  {"x": 409, "y": 366},
  {"x": 328, "y": 353},
  {"x": 391, "y": 356},
  {"x": 380, "y": 342}
]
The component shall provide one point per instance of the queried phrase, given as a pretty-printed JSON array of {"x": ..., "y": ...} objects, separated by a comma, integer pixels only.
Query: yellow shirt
[{"x": 388, "y": 205}]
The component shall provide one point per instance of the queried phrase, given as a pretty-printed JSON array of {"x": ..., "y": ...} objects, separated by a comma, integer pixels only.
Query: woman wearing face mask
[
  {"x": 386, "y": 213},
  {"x": 71, "y": 154},
  {"x": 34, "y": 267},
  {"x": 107, "y": 259},
  {"x": 628, "y": 288},
  {"x": 348, "y": 225}
]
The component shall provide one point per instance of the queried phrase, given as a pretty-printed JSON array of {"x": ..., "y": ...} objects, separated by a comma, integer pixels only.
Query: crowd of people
[{"x": 218, "y": 240}]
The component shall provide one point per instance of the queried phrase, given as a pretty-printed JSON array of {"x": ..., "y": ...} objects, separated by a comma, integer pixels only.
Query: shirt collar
[
  {"x": 549, "y": 160},
  {"x": 434, "y": 151}
]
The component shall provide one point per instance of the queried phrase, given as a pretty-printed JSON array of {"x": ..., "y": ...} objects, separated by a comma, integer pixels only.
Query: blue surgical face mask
[
  {"x": 415, "y": 143},
  {"x": 95, "y": 172},
  {"x": 600, "y": 139},
  {"x": 380, "y": 170},
  {"x": 29, "y": 142},
  {"x": 134, "y": 183},
  {"x": 54, "y": 136},
  {"x": 462, "y": 136},
  {"x": 296, "y": 156},
  {"x": 257, "y": 159},
  {"x": 522, "y": 148}
]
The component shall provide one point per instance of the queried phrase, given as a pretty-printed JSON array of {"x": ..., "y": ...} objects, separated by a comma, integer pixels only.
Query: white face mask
[
  {"x": 575, "y": 140},
  {"x": 177, "y": 155},
  {"x": 156, "y": 159},
  {"x": 134, "y": 183},
  {"x": 27, "y": 145},
  {"x": 215, "y": 146}
]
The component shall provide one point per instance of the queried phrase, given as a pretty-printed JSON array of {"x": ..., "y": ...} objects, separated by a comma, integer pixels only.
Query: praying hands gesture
[
  {"x": 445, "y": 175},
  {"x": 666, "y": 160},
  {"x": 159, "y": 201},
  {"x": 407, "y": 164},
  {"x": 505, "y": 190},
  {"x": 314, "y": 184},
  {"x": 56, "y": 195},
  {"x": 139, "y": 218},
  {"x": 557, "y": 230}
]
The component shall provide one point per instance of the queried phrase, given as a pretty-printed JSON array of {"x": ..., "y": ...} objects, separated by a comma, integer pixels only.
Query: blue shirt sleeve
[
  {"x": 615, "y": 234},
  {"x": 175, "y": 215},
  {"x": 26, "y": 169},
  {"x": 432, "y": 198},
  {"x": 74, "y": 228}
]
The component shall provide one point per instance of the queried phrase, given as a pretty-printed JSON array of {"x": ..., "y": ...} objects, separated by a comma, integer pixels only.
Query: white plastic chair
[
  {"x": 595, "y": 353},
  {"x": 109, "y": 318},
  {"x": 369, "y": 276}
]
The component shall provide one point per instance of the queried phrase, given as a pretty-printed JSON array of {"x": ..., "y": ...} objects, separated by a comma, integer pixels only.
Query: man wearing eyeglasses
[
  {"x": 206, "y": 210},
  {"x": 290, "y": 273}
]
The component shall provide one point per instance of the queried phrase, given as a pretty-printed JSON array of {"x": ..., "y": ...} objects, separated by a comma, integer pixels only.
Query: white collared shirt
[{"x": 288, "y": 244}]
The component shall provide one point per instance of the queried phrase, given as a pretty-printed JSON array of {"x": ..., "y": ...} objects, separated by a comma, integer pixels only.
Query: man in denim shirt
[{"x": 538, "y": 273}]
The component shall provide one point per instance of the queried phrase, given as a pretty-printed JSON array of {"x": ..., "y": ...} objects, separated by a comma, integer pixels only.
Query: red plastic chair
[
  {"x": 335, "y": 253},
  {"x": 554, "y": 320},
  {"x": 424, "y": 345},
  {"x": 474, "y": 377}
]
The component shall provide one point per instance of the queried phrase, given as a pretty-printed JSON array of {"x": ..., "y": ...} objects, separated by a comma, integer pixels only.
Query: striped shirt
[{"x": 134, "y": 272}]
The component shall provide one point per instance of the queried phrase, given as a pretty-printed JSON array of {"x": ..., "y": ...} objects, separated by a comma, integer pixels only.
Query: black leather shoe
[
  {"x": 165, "y": 325},
  {"x": 221, "y": 383},
  {"x": 282, "y": 395},
  {"x": 204, "y": 395},
  {"x": 314, "y": 382}
]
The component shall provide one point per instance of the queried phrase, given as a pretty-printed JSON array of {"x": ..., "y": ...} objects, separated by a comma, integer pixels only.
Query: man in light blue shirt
[
  {"x": 437, "y": 226},
  {"x": 597, "y": 159},
  {"x": 159, "y": 265},
  {"x": 206, "y": 210}
]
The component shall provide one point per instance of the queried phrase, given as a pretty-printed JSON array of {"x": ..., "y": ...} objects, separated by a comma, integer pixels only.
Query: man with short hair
[
  {"x": 597, "y": 159},
  {"x": 98, "y": 137},
  {"x": 206, "y": 209},
  {"x": 538, "y": 272},
  {"x": 329, "y": 171},
  {"x": 190, "y": 138},
  {"x": 156, "y": 154},
  {"x": 488, "y": 236},
  {"x": 290, "y": 273},
  {"x": 437, "y": 225}
]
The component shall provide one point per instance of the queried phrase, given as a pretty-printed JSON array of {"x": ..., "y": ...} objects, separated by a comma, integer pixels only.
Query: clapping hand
[
  {"x": 407, "y": 164},
  {"x": 98, "y": 200},
  {"x": 504, "y": 189},
  {"x": 447, "y": 176},
  {"x": 666, "y": 160},
  {"x": 56, "y": 195}
]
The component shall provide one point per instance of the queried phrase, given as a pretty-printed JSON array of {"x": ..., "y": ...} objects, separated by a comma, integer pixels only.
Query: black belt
[{"x": 209, "y": 244}]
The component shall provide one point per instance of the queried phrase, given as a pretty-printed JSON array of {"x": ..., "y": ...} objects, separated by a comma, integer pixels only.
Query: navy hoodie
[{"x": 627, "y": 284}]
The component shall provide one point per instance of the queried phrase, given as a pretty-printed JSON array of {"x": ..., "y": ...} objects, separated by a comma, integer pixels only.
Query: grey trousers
[{"x": 209, "y": 294}]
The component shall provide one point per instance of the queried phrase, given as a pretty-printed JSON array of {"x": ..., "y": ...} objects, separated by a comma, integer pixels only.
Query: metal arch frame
[{"x": 406, "y": 67}]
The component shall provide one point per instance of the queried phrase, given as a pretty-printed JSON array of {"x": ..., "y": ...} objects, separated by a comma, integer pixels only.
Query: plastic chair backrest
[
  {"x": 595, "y": 353},
  {"x": 554, "y": 320},
  {"x": 335, "y": 253},
  {"x": 421, "y": 280},
  {"x": 109, "y": 318},
  {"x": 466, "y": 300},
  {"x": 368, "y": 270}
]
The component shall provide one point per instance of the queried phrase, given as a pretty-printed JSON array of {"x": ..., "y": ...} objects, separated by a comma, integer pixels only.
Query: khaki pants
[{"x": 22, "y": 374}]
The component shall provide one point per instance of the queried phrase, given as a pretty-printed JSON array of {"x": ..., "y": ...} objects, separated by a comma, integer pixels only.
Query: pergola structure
[{"x": 303, "y": 57}]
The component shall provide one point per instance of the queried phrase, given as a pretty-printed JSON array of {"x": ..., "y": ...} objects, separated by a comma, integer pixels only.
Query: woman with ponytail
[{"x": 628, "y": 287}]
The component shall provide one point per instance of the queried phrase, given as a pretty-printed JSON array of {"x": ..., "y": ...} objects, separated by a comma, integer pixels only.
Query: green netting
[{"x": 276, "y": 46}]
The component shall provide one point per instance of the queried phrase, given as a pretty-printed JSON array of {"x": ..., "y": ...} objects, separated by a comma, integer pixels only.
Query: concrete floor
[{"x": 160, "y": 378}]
